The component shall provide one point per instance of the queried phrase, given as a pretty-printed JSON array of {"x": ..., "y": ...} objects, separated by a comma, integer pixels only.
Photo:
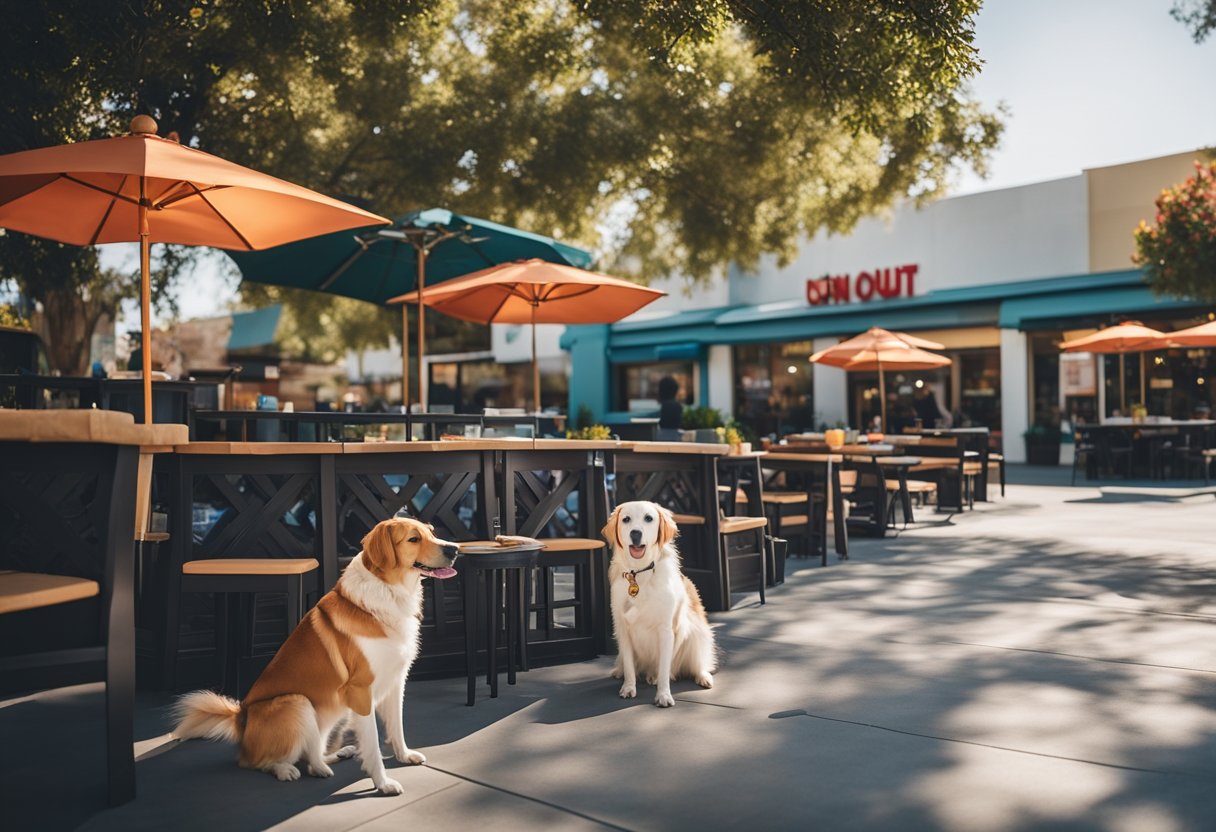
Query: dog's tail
[{"x": 207, "y": 715}]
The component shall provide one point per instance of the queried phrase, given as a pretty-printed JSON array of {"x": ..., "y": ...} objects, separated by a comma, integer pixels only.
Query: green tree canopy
[
  {"x": 673, "y": 136},
  {"x": 1197, "y": 15},
  {"x": 1178, "y": 252}
]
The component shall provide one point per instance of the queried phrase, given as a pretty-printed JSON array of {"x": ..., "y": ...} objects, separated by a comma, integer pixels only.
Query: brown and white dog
[
  {"x": 348, "y": 658},
  {"x": 661, "y": 628}
]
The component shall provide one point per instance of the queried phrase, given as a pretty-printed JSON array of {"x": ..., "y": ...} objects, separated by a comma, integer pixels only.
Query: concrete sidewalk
[{"x": 1044, "y": 662}]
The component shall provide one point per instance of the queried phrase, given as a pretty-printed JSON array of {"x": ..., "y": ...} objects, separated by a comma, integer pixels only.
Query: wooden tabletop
[
  {"x": 258, "y": 448},
  {"x": 779, "y": 456},
  {"x": 103, "y": 426},
  {"x": 677, "y": 447}
]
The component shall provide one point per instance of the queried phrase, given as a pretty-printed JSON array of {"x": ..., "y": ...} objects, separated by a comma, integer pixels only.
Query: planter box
[{"x": 1042, "y": 451}]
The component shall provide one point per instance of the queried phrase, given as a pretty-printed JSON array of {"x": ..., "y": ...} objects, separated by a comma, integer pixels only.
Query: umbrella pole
[
  {"x": 421, "y": 326},
  {"x": 882, "y": 398},
  {"x": 535, "y": 368},
  {"x": 145, "y": 301},
  {"x": 405, "y": 356},
  {"x": 1123, "y": 384},
  {"x": 1143, "y": 399}
]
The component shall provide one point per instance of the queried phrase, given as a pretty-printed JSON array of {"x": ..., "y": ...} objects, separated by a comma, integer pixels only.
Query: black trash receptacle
[{"x": 779, "y": 547}]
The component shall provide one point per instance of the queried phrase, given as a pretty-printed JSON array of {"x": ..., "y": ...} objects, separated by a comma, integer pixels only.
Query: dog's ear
[
  {"x": 612, "y": 531},
  {"x": 667, "y": 526},
  {"x": 379, "y": 549}
]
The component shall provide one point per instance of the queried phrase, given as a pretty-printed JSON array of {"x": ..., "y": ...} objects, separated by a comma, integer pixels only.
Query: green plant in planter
[
  {"x": 729, "y": 436},
  {"x": 585, "y": 417},
  {"x": 590, "y": 432},
  {"x": 701, "y": 418},
  {"x": 1042, "y": 444}
]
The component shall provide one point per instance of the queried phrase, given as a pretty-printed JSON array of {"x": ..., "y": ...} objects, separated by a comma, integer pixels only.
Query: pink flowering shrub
[{"x": 1179, "y": 252}]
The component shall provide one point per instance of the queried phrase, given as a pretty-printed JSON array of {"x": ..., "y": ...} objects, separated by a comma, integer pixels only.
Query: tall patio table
[
  {"x": 69, "y": 494},
  {"x": 822, "y": 470}
]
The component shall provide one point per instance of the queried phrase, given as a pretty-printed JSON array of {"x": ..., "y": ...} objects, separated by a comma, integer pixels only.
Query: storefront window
[
  {"x": 637, "y": 385},
  {"x": 979, "y": 400},
  {"x": 1046, "y": 374},
  {"x": 470, "y": 386},
  {"x": 773, "y": 392}
]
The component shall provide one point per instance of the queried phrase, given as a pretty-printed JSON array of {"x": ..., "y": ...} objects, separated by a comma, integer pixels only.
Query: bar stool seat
[
  {"x": 30, "y": 590},
  {"x": 495, "y": 561},
  {"x": 744, "y": 538},
  {"x": 241, "y": 576}
]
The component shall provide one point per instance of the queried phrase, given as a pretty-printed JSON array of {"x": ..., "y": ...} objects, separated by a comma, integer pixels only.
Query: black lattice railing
[
  {"x": 446, "y": 501},
  {"x": 272, "y": 515}
]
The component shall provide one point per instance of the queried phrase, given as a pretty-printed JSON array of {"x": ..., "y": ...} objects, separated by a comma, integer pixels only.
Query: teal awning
[
  {"x": 1009, "y": 305},
  {"x": 254, "y": 329},
  {"x": 1049, "y": 311}
]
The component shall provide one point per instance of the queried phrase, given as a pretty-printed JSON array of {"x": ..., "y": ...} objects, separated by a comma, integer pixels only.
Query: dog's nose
[
  {"x": 451, "y": 550},
  {"x": 636, "y": 536}
]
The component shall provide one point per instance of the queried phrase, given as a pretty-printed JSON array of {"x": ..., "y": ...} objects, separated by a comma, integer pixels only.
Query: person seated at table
[
  {"x": 1201, "y": 410},
  {"x": 927, "y": 409},
  {"x": 671, "y": 412}
]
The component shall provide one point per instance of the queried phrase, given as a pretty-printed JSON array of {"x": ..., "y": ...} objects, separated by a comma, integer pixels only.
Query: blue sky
[
  {"x": 1087, "y": 83},
  {"x": 1090, "y": 83}
]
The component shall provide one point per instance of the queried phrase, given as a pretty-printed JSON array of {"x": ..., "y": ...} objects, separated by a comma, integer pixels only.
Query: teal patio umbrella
[{"x": 418, "y": 250}]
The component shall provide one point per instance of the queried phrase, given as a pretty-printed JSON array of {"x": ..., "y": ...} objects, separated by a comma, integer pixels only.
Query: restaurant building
[{"x": 999, "y": 277}]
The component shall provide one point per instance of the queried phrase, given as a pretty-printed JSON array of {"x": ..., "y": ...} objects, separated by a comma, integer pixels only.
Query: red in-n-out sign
[{"x": 882, "y": 283}]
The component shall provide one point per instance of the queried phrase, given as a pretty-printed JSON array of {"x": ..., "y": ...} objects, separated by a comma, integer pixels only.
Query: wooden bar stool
[
  {"x": 743, "y": 538},
  {"x": 246, "y": 576}
]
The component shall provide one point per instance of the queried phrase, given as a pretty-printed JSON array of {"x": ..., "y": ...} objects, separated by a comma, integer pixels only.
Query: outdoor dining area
[{"x": 171, "y": 556}]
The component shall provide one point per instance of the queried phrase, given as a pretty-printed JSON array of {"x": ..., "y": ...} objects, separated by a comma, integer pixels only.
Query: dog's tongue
[
  {"x": 443, "y": 572},
  {"x": 637, "y": 551}
]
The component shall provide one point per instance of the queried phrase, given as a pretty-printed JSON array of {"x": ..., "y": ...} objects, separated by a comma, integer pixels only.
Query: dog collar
[{"x": 632, "y": 576}]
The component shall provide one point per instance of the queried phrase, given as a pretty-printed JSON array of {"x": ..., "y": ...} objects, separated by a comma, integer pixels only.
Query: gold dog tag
[{"x": 634, "y": 589}]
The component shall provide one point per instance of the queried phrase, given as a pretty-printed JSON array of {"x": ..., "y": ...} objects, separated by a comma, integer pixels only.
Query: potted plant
[
  {"x": 1042, "y": 444},
  {"x": 703, "y": 422}
]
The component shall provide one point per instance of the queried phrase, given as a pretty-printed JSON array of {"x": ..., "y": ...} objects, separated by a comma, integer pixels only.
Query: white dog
[
  {"x": 345, "y": 661},
  {"x": 660, "y": 623}
]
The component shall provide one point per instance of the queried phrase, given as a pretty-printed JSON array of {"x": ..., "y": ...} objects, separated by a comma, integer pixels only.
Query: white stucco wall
[{"x": 1022, "y": 233}]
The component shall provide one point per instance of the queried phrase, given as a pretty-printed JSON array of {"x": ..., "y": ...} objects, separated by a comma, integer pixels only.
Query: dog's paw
[
  {"x": 345, "y": 752},
  {"x": 410, "y": 758},
  {"x": 617, "y": 673},
  {"x": 389, "y": 786},
  {"x": 705, "y": 680},
  {"x": 285, "y": 771},
  {"x": 321, "y": 770},
  {"x": 629, "y": 691},
  {"x": 664, "y": 699},
  {"x": 652, "y": 678}
]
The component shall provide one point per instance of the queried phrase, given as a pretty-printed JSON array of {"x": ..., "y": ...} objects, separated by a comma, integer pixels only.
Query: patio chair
[
  {"x": 1085, "y": 451},
  {"x": 1116, "y": 451},
  {"x": 1189, "y": 453},
  {"x": 67, "y": 583}
]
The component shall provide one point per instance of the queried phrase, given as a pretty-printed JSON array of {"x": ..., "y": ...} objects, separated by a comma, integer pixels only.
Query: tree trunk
[{"x": 66, "y": 325}]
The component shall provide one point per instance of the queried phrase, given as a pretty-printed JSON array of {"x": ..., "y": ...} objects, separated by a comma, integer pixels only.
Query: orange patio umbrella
[
  {"x": 1129, "y": 336},
  {"x": 536, "y": 292},
  {"x": 140, "y": 187},
  {"x": 880, "y": 349},
  {"x": 1203, "y": 335}
]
